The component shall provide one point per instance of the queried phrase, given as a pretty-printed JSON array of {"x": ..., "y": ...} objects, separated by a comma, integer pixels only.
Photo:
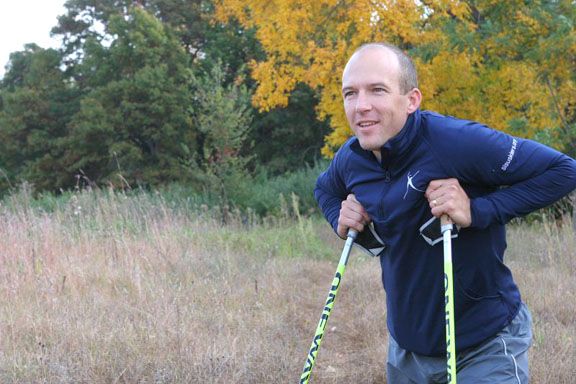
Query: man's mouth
[{"x": 366, "y": 124}]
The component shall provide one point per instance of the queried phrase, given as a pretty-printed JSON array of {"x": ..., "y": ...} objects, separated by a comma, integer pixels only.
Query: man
[{"x": 405, "y": 166}]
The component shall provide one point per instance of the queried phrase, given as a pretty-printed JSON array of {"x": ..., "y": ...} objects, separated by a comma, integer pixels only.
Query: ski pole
[
  {"x": 446, "y": 226},
  {"x": 311, "y": 358}
]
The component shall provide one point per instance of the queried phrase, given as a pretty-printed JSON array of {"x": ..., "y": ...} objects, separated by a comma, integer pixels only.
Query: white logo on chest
[{"x": 410, "y": 183}]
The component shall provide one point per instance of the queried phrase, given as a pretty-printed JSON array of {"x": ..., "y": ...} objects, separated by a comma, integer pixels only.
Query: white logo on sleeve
[
  {"x": 510, "y": 155},
  {"x": 410, "y": 183}
]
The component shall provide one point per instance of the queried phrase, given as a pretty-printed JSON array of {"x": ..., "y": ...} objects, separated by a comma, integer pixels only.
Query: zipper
[{"x": 385, "y": 164}]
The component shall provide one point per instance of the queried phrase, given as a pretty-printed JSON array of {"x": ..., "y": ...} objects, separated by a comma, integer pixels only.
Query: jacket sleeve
[
  {"x": 527, "y": 175},
  {"x": 331, "y": 190}
]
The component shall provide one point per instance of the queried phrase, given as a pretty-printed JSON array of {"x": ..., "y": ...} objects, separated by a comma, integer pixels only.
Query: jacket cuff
[{"x": 482, "y": 211}]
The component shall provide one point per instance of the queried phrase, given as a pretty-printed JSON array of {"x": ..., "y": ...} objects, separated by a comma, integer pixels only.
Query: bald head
[{"x": 408, "y": 77}]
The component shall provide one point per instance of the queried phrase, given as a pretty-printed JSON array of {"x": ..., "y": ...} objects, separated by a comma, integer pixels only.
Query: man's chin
[{"x": 369, "y": 145}]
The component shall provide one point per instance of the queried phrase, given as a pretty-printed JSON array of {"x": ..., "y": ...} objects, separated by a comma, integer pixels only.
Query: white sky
[{"x": 27, "y": 21}]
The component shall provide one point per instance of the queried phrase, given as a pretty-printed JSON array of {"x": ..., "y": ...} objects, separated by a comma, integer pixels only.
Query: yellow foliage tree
[{"x": 498, "y": 72}]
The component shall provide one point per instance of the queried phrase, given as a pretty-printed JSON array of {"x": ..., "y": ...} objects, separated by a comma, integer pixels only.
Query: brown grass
[{"x": 128, "y": 290}]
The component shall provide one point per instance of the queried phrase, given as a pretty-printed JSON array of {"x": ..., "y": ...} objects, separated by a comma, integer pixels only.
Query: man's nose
[{"x": 363, "y": 102}]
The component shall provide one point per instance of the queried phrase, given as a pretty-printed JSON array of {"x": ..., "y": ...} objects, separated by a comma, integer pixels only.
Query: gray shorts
[{"x": 502, "y": 359}]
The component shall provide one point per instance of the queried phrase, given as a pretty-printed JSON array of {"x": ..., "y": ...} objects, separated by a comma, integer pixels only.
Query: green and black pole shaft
[
  {"x": 447, "y": 226},
  {"x": 313, "y": 353}
]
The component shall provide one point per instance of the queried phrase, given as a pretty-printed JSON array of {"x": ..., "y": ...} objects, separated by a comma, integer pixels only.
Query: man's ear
[{"x": 414, "y": 98}]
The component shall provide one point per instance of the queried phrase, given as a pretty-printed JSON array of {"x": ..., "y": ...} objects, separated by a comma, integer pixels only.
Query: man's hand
[
  {"x": 446, "y": 196},
  {"x": 352, "y": 215}
]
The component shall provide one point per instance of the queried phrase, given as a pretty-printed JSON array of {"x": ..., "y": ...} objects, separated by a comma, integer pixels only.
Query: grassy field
[{"x": 107, "y": 288}]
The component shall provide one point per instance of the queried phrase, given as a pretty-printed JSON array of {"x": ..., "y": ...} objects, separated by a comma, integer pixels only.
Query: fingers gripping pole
[
  {"x": 311, "y": 359},
  {"x": 446, "y": 224}
]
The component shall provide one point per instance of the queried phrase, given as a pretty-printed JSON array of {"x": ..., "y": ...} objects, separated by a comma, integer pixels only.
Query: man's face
[{"x": 375, "y": 106}]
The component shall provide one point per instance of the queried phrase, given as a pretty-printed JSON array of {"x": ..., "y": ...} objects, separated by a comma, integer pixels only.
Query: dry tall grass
[{"x": 110, "y": 289}]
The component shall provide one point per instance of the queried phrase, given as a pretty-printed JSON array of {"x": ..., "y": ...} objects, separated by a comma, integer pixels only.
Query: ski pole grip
[
  {"x": 445, "y": 223},
  {"x": 445, "y": 220}
]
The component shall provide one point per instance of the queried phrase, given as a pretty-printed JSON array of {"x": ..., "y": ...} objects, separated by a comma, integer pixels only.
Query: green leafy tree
[
  {"x": 284, "y": 138},
  {"x": 146, "y": 92},
  {"x": 290, "y": 138},
  {"x": 222, "y": 114},
  {"x": 36, "y": 104},
  {"x": 133, "y": 124}
]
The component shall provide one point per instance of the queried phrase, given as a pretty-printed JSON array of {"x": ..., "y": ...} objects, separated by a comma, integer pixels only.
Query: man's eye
[
  {"x": 349, "y": 93},
  {"x": 379, "y": 90}
]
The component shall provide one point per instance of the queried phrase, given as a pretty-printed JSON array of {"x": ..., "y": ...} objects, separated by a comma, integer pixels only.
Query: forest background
[
  {"x": 221, "y": 99},
  {"x": 157, "y": 222}
]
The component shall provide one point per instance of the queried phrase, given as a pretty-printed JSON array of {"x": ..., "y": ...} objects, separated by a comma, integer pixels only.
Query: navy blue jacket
[{"x": 504, "y": 176}]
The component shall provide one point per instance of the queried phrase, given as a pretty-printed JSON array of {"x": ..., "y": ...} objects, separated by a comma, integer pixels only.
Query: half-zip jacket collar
[
  {"x": 404, "y": 140},
  {"x": 396, "y": 146}
]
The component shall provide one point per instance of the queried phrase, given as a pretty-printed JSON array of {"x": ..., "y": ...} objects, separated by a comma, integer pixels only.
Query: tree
[
  {"x": 209, "y": 43},
  {"x": 132, "y": 126},
  {"x": 204, "y": 40},
  {"x": 127, "y": 99},
  {"x": 483, "y": 60},
  {"x": 150, "y": 117},
  {"x": 223, "y": 115},
  {"x": 519, "y": 76},
  {"x": 540, "y": 34},
  {"x": 291, "y": 137},
  {"x": 36, "y": 104}
]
